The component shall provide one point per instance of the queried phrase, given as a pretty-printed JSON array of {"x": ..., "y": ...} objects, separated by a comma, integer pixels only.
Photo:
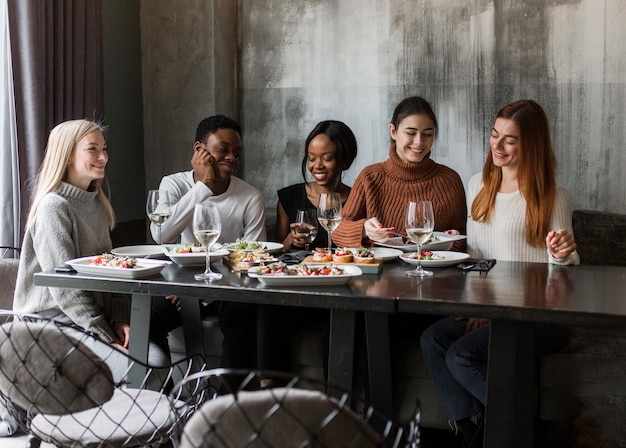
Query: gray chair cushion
[
  {"x": 277, "y": 418},
  {"x": 130, "y": 418},
  {"x": 600, "y": 236},
  {"x": 43, "y": 369}
]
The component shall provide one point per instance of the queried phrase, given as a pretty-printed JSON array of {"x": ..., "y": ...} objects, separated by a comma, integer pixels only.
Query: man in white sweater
[{"x": 216, "y": 153}]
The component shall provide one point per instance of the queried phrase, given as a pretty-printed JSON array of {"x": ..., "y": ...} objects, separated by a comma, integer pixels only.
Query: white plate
[
  {"x": 445, "y": 243},
  {"x": 269, "y": 246},
  {"x": 145, "y": 267},
  {"x": 449, "y": 259},
  {"x": 295, "y": 280},
  {"x": 386, "y": 254},
  {"x": 193, "y": 258},
  {"x": 141, "y": 251}
]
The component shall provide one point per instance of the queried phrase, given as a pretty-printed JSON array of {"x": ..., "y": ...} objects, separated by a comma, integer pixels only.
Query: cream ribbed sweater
[
  {"x": 384, "y": 189},
  {"x": 504, "y": 236}
]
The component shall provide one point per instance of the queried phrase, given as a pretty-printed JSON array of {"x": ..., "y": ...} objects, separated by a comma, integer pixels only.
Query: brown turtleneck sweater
[{"x": 384, "y": 189}]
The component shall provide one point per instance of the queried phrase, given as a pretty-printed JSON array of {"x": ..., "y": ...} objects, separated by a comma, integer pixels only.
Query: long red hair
[{"x": 535, "y": 171}]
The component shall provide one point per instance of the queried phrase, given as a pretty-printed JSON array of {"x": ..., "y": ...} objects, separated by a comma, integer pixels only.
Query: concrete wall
[{"x": 300, "y": 61}]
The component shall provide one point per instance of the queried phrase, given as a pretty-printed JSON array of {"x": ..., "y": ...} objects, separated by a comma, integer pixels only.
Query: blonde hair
[
  {"x": 61, "y": 144},
  {"x": 535, "y": 172}
]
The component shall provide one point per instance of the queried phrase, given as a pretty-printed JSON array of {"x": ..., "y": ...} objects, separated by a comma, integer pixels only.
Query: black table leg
[
  {"x": 192, "y": 326},
  {"x": 379, "y": 361},
  {"x": 341, "y": 350},
  {"x": 141, "y": 305},
  {"x": 509, "y": 417}
]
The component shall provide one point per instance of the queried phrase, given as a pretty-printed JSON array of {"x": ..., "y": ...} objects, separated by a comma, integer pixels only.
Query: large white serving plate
[
  {"x": 297, "y": 280},
  {"x": 145, "y": 267},
  {"x": 140, "y": 251},
  {"x": 450, "y": 258},
  {"x": 385, "y": 253},
  {"x": 445, "y": 243},
  {"x": 193, "y": 258},
  {"x": 269, "y": 246}
]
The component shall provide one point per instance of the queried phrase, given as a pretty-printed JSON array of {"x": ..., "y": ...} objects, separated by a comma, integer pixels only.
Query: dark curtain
[{"x": 56, "y": 46}]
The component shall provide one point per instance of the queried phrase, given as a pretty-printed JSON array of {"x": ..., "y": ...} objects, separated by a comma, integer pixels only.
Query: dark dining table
[{"x": 514, "y": 295}]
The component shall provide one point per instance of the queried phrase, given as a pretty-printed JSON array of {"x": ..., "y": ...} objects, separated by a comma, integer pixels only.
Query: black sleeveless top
[{"x": 293, "y": 198}]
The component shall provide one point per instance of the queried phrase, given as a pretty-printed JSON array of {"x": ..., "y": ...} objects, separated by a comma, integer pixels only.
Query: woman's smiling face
[
  {"x": 88, "y": 160},
  {"x": 504, "y": 143},
  {"x": 321, "y": 162},
  {"x": 414, "y": 137}
]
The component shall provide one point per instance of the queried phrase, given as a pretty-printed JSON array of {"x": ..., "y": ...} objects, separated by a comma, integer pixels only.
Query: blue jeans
[{"x": 457, "y": 362}]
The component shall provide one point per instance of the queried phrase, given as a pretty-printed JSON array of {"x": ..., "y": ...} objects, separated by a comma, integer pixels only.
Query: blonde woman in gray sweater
[{"x": 71, "y": 217}]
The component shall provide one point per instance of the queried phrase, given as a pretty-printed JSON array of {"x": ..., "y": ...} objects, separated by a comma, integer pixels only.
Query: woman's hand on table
[
  {"x": 473, "y": 323},
  {"x": 122, "y": 334},
  {"x": 375, "y": 231},
  {"x": 560, "y": 243}
]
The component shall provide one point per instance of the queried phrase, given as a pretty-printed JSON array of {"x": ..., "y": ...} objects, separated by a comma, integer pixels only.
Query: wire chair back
[
  {"x": 60, "y": 383},
  {"x": 210, "y": 411}
]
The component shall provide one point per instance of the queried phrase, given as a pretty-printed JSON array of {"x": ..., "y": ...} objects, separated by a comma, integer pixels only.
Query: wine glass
[
  {"x": 307, "y": 225},
  {"x": 420, "y": 222},
  {"x": 158, "y": 209},
  {"x": 329, "y": 213},
  {"x": 207, "y": 227}
]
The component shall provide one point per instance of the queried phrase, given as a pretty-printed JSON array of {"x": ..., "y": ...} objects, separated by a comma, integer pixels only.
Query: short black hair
[
  {"x": 342, "y": 138},
  {"x": 214, "y": 123}
]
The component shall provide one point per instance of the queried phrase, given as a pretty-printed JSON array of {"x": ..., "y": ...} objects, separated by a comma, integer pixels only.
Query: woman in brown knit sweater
[{"x": 377, "y": 203}]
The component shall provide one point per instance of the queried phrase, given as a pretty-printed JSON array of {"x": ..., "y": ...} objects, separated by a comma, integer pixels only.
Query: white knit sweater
[
  {"x": 504, "y": 236},
  {"x": 70, "y": 223}
]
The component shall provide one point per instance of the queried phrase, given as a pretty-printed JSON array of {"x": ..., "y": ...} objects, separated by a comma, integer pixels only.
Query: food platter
[
  {"x": 449, "y": 258},
  {"x": 145, "y": 267},
  {"x": 385, "y": 253},
  {"x": 296, "y": 280},
  {"x": 269, "y": 247},
  {"x": 139, "y": 251},
  {"x": 191, "y": 258},
  {"x": 445, "y": 242}
]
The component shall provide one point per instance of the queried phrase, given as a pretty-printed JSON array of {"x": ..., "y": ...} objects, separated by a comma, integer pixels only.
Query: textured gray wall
[{"x": 302, "y": 61}]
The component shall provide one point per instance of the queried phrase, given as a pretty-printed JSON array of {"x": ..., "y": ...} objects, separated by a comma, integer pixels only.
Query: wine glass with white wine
[
  {"x": 420, "y": 223},
  {"x": 207, "y": 227},
  {"x": 306, "y": 220},
  {"x": 158, "y": 209},
  {"x": 329, "y": 213}
]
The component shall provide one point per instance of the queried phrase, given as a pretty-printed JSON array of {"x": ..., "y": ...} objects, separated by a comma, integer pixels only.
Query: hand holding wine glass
[
  {"x": 420, "y": 223},
  {"x": 207, "y": 227},
  {"x": 158, "y": 209},
  {"x": 329, "y": 213},
  {"x": 305, "y": 227}
]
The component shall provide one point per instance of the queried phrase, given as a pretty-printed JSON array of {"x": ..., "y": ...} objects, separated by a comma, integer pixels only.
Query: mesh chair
[
  {"x": 297, "y": 414},
  {"x": 57, "y": 381}
]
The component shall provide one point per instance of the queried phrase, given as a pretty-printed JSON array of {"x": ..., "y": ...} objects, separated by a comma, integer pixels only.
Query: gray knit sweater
[{"x": 70, "y": 223}]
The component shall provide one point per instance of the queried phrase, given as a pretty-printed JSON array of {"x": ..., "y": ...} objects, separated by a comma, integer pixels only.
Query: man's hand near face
[{"x": 202, "y": 164}]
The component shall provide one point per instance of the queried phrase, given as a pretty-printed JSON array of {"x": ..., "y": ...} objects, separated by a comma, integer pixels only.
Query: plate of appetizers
[
  {"x": 249, "y": 246},
  {"x": 139, "y": 251},
  {"x": 192, "y": 255},
  {"x": 435, "y": 259},
  {"x": 437, "y": 241},
  {"x": 110, "y": 265},
  {"x": 303, "y": 274},
  {"x": 386, "y": 254}
]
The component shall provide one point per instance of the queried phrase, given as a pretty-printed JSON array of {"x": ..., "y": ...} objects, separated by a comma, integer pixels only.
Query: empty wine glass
[
  {"x": 207, "y": 227},
  {"x": 307, "y": 225},
  {"x": 329, "y": 213},
  {"x": 420, "y": 222},
  {"x": 158, "y": 209}
]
